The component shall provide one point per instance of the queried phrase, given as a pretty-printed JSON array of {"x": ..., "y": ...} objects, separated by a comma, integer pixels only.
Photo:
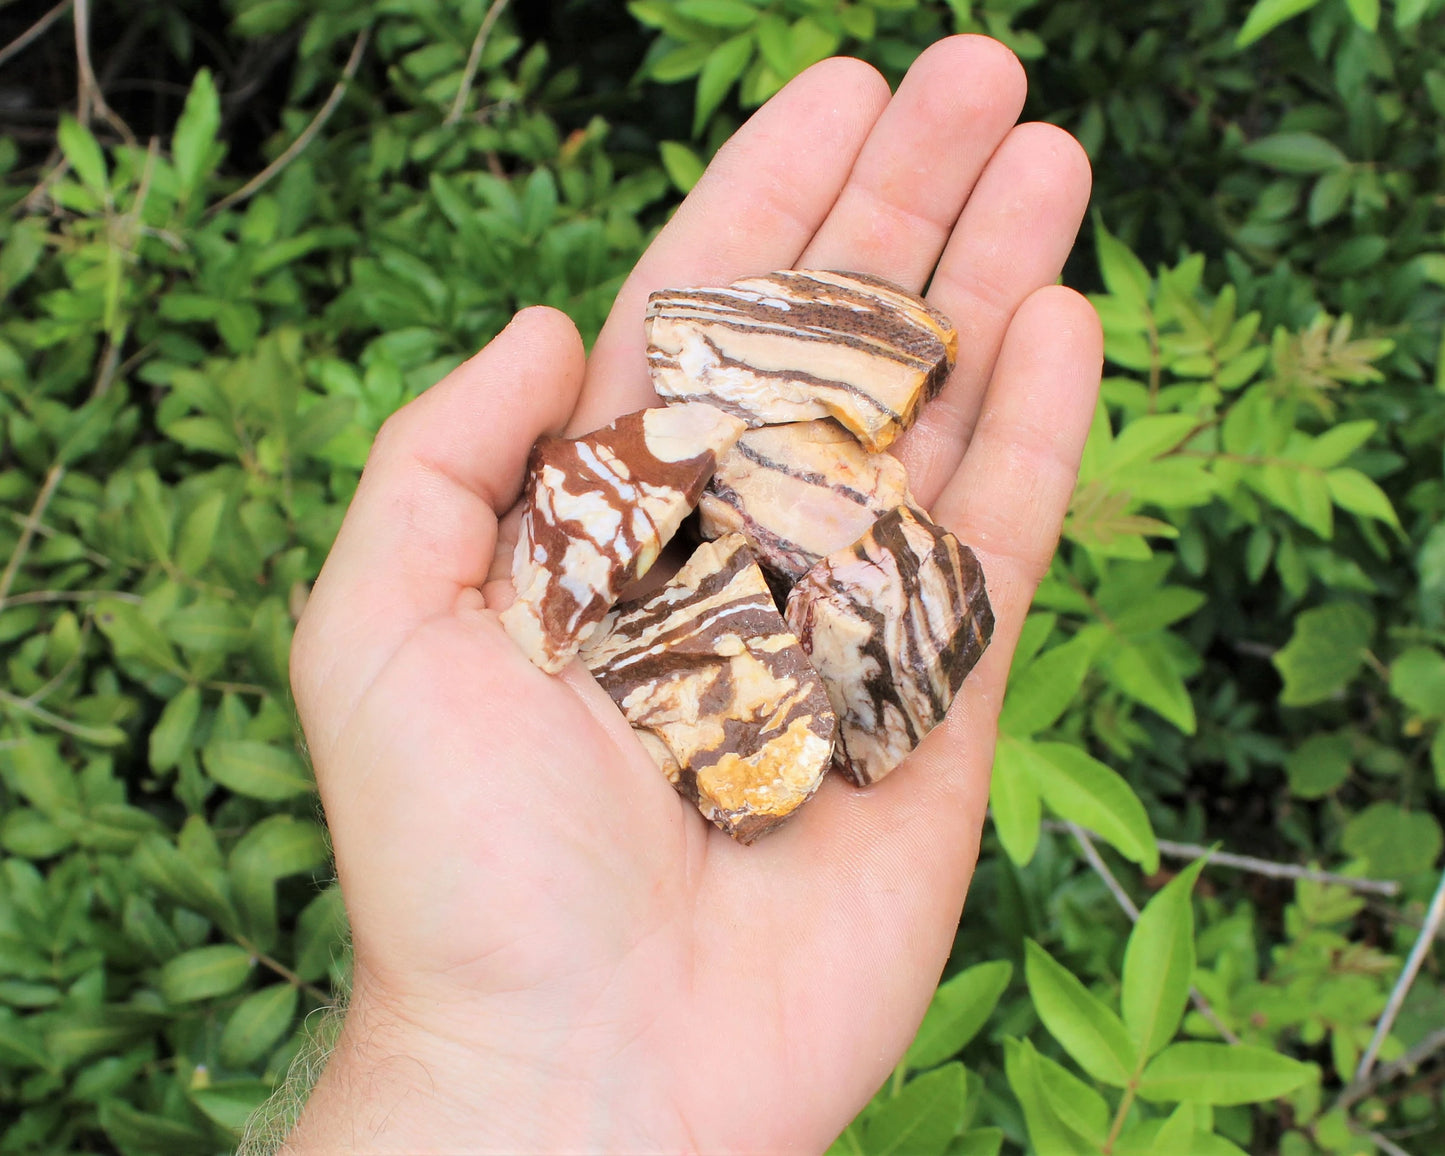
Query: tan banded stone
[
  {"x": 800, "y": 491},
  {"x": 893, "y": 624},
  {"x": 716, "y": 685},
  {"x": 599, "y": 510},
  {"x": 798, "y": 345}
]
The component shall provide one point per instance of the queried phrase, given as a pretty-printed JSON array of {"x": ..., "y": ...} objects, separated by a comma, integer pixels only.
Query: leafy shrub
[{"x": 1242, "y": 639}]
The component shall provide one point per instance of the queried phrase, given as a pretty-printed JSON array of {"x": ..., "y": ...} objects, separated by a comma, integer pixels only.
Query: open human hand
[{"x": 553, "y": 950}]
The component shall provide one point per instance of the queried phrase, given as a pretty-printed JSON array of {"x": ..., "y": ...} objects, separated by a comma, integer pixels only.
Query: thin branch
[
  {"x": 474, "y": 60},
  {"x": 1276, "y": 870},
  {"x": 1433, "y": 918},
  {"x": 1409, "y": 1062},
  {"x": 298, "y": 146},
  {"x": 1096, "y": 861},
  {"x": 34, "y": 32},
  {"x": 1266, "y": 867},
  {"x": 89, "y": 734},
  {"x": 27, "y": 535},
  {"x": 1383, "y": 1143},
  {"x": 32, "y": 596},
  {"x": 89, "y": 94}
]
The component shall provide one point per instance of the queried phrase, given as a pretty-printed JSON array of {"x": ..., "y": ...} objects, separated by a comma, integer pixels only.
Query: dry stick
[
  {"x": 1096, "y": 861},
  {"x": 1359, "y": 1089},
  {"x": 1383, "y": 1143},
  {"x": 296, "y": 147},
  {"x": 34, "y": 32},
  {"x": 1433, "y": 918},
  {"x": 89, "y": 92},
  {"x": 474, "y": 60},
  {"x": 1276, "y": 870},
  {"x": 1261, "y": 866},
  {"x": 37, "y": 511}
]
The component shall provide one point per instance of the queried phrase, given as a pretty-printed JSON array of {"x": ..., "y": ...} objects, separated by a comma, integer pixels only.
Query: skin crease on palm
[{"x": 553, "y": 951}]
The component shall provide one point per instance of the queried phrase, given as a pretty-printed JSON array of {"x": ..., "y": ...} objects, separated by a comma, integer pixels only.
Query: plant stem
[
  {"x": 474, "y": 59},
  {"x": 1131, "y": 1089}
]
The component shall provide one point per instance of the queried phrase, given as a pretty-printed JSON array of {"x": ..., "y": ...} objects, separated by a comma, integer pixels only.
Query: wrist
[{"x": 392, "y": 1085}]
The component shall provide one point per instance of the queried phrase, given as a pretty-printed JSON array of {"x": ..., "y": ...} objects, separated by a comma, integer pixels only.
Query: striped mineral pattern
[
  {"x": 800, "y": 491},
  {"x": 803, "y": 344},
  {"x": 599, "y": 510},
  {"x": 893, "y": 623},
  {"x": 719, "y": 691}
]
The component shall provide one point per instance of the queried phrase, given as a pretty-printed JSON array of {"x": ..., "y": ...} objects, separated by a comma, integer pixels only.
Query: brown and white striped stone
[
  {"x": 893, "y": 623},
  {"x": 599, "y": 510},
  {"x": 719, "y": 691},
  {"x": 797, "y": 492},
  {"x": 803, "y": 344}
]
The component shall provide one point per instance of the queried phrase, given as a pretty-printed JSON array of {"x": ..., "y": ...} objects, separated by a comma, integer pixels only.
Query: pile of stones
[{"x": 825, "y": 620}]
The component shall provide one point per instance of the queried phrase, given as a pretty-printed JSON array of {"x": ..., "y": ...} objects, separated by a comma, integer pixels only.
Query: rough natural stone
[
  {"x": 599, "y": 510},
  {"x": 719, "y": 691},
  {"x": 798, "y": 492},
  {"x": 803, "y": 344},
  {"x": 893, "y": 623}
]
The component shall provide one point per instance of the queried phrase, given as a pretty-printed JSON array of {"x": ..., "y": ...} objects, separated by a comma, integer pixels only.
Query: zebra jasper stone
[
  {"x": 599, "y": 510},
  {"x": 800, "y": 491},
  {"x": 893, "y": 623},
  {"x": 803, "y": 344},
  {"x": 719, "y": 691}
]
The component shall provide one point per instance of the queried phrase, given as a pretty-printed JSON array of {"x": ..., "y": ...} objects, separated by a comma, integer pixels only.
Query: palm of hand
[{"x": 525, "y": 889}]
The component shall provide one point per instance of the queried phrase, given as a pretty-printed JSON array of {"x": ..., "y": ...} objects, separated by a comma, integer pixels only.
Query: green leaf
[
  {"x": 922, "y": 1118},
  {"x": 1324, "y": 652},
  {"x": 198, "y": 531},
  {"x": 134, "y": 636},
  {"x": 1417, "y": 679},
  {"x": 193, "y": 146},
  {"x": 1220, "y": 1074},
  {"x": 1040, "y": 691},
  {"x": 83, "y": 153},
  {"x": 730, "y": 14},
  {"x": 1080, "y": 788},
  {"x": 1267, "y": 15},
  {"x": 39, "y": 772},
  {"x": 135, "y": 1131},
  {"x": 1397, "y": 843},
  {"x": 205, "y": 972},
  {"x": 1092, "y": 1034},
  {"x": 1124, "y": 274},
  {"x": 724, "y": 65},
  {"x": 978, "y": 1142},
  {"x": 1077, "y": 1106},
  {"x": 1145, "y": 438},
  {"x": 1355, "y": 492},
  {"x": 1319, "y": 765},
  {"x": 1159, "y": 964},
  {"x": 1336, "y": 444},
  {"x": 1146, "y": 671},
  {"x": 230, "y": 1102},
  {"x": 258, "y": 1024},
  {"x": 960, "y": 1007},
  {"x": 684, "y": 167},
  {"x": 1366, "y": 13},
  {"x": 257, "y": 770},
  {"x": 1048, "y": 1133},
  {"x": 1294, "y": 152},
  {"x": 1014, "y": 802}
]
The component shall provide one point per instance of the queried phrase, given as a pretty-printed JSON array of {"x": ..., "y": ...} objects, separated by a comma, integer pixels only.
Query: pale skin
[{"x": 554, "y": 952}]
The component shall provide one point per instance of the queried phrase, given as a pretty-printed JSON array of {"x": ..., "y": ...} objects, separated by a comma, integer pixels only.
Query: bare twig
[
  {"x": 1266, "y": 867},
  {"x": 1276, "y": 870},
  {"x": 89, "y": 97},
  {"x": 1359, "y": 1089},
  {"x": 34, "y": 32},
  {"x": 1383, "y": 1143},
  {"x": 1433, "y": 917},
  {"x": 474, "y": 60},
  {"x": 27, "y": 534},
  {"x": 78, "y": 730},
  {"x": 298, "y": 146},
  {"x": 1096, "y": 861},
  {"x": 33, "y": 596}
]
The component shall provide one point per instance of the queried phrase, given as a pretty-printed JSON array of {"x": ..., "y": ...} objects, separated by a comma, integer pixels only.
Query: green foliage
[{"x": 1242, "y": 638}]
